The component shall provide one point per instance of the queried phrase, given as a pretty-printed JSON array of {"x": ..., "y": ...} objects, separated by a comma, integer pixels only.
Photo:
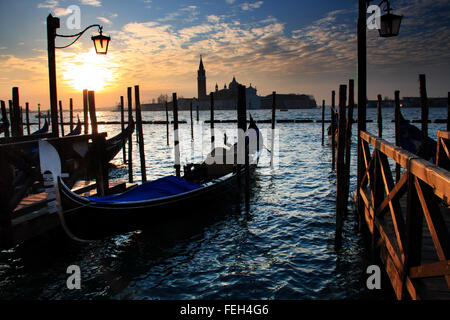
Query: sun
[{"x": 89, "y": 71}]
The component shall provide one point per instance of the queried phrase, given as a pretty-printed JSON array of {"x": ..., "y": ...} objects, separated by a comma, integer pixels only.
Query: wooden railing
[
  {"x": 411, "y": 251},
  {"x": 442, "y": 151}
]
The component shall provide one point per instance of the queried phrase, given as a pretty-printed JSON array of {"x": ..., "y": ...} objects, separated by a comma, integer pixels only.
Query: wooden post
[
  {"x": 39, "y": 115},
  {"x": 27, "y": 117},
  {"x": 379, "y": 118},
  {"x": 333, "y": 130},
  {"x": 348, "y": 139},
  {"x": 16, "y": 114},
  {"x": 242, "y": 145},
  {"x": 212, "y": 120},
  {"x": 85, "y": 111},
  {"x": 340, "y": 167},
  {"x": 61, "y": 118},
  {"x": 272, "y": 140},
  {"x": 140, "y": 133},
  {"x": 241, "y": 141},
  {"x": 5, "y": 118},
  {"x": 53, "y": 23},
  {"x": 198, "y": 114},
  {"x": 448, "y": 112},
  {"x": 323, "y": 121},
  {"x": 130, "y": 136},
  {"x": 122, "y": 126},
  {"x": 424, "y": 105},
  {"x": 167, "y": 122},
  {"x": 176, "y": 140},
  {"x": 99, "y": 143},
  {"x": 71, "y": 114},
  {"x": 397, "y": 129},
  {"x": 362, "y": 93},
  {"x": 192, "y": 123}
]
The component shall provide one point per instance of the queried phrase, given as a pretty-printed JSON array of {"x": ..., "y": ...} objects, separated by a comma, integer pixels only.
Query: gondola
[
  {"x": 410, "y": 139},
  {"x": 42, "y": 130},
  {"x": 114, "y": 145},
  {"x": 164, "y": 199},
  {"x": 77, "y": 130}
]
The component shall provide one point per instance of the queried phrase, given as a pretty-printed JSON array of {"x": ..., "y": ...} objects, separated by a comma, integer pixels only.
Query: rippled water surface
[{"x": 283, "y": 249}]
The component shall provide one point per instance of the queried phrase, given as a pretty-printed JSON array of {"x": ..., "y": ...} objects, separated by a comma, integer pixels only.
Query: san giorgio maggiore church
[{"x": 226, "y": 98}]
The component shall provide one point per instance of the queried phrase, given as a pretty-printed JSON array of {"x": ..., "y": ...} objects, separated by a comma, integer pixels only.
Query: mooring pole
[
  {"x": 176, "y": 140},
  {"x": 242, "y": 149},
  {"x": 212, "y": 120},
  {"x": 71, "y": 113},
  {"x": 397, "y": 129},
  {"x": 27, "y": 117},
  {"x": 167, "y": 123},
  {"x": 5, "y": 118},
  {"x": 39, "y": 115},
  {"x": 448, "y": 111},
  {"x": 130, "y": 136},
  {"x": 348, "y": 139},
  {"x": 379, "y": 117},
  {"x": 340, "y": 167},
  {"x": 333, "y": 130},
  {"x": 16, "y": 114},
  {"x": 424, "y": 106},
  {"x": 99, "y": 143},
  {"x": 61, "y": 119},
  {"x": 272, "y": 140},
  {"x": 85, "y": 111},
  {"x": 323, "y": 121},
  {"x": 192, "y": 123},
  {"x": 140, "y": 133},
  {"x": 362, "y": 93},
  {"x": 122, "y": 126}
]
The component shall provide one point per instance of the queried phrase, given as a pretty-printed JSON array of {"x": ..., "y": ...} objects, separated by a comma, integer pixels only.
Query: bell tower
[{"x": 201, "y": 80}]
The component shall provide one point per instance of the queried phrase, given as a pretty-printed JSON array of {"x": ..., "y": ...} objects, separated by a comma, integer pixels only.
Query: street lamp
[
  {"x": 389, "y": 27},
  {"x": 389, "y": 23},
  {"x": 101, "y": 43}
]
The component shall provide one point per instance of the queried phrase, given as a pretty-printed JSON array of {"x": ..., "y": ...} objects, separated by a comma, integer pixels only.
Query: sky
[{"x": 287, "y": 46}]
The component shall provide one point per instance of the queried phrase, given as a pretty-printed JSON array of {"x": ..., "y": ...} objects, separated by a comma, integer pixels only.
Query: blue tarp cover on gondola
[{"x": 163, "y": 187}]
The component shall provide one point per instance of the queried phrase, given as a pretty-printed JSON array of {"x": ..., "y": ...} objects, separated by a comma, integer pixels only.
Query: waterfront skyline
[{"x": 289, "y": 47}]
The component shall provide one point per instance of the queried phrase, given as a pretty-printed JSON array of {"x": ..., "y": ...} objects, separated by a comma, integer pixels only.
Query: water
[{"x": 284, "y": 248}]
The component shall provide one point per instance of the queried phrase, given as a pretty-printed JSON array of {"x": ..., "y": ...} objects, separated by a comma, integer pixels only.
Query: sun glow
[{"x": 89, "y": 71}]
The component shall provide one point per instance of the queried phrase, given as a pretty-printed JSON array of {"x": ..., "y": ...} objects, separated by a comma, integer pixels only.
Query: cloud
[
  {"x": 48, "y": 4},
  {"x": 230, "y": 1},
  {"x": 246, "y": 6},
  {"x": 104, "y": 20},
  {"x": 114, "y": 15},
  {"x": 94, "y": 3},
  {"x": 61, "y": 12}
]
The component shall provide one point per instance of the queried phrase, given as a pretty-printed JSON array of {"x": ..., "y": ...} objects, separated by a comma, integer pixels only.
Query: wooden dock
[{"x": 409, "y": 219}]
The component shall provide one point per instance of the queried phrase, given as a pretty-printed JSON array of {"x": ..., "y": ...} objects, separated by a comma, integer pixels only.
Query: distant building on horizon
[
  {"x": 409, "y": 102},
  {"x": 226, "y": 98}
]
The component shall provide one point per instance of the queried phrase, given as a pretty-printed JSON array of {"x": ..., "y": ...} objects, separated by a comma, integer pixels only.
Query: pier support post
[
  {"x": 16, "y": 128},
  {"x": 242, "y": 145},
  {"x": 140, "y": 133},
  {"x": 348, "y": 139},
  {"x": 130, "y": 136},
  {"x": 192, "y": 123},
  {"x": 39, "y": 115},
  {"x": 176, "y": 140}
]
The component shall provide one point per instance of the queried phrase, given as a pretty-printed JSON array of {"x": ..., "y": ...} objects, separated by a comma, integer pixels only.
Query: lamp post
[
  {"x": 389, "y": 27},
  {"x": 101, "y": 43}
]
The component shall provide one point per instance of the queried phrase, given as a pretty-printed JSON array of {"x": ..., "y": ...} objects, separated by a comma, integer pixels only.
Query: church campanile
[{"x": 201, "y": 80}]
